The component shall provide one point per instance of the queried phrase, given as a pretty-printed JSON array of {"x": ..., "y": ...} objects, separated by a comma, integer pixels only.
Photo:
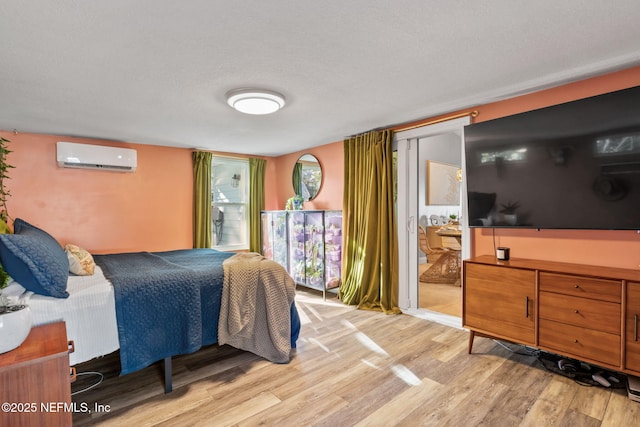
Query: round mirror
[{"x": 307, "y": 177}]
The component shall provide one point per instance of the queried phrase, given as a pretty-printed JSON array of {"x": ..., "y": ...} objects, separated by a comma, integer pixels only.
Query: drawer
[
  {"x": 587, "y": 313},
  {"x": 580, "y": 342},
  {"x": 586, "y": 287}
]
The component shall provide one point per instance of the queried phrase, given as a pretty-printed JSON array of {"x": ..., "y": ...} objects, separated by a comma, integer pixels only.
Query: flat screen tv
[{"x": 570, "y": 166}]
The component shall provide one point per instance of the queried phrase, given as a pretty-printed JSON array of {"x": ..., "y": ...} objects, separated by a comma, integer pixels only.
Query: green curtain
[
  {"x": 297, "y": 178},
  {"x": 256, "y": 202},
  {"x": 370, "y": 244},
  {"x": 202, "y": 199}
]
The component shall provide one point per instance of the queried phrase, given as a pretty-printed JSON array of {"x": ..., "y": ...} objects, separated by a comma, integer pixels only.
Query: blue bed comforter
[{"x": 167, "y": 303}]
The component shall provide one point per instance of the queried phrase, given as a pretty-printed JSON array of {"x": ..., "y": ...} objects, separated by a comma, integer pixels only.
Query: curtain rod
[
  {"x": 223, "y": 154},
  {"x": 473, "y": 113}
]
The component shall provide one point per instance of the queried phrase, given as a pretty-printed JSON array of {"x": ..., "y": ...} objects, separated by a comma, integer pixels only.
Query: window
[{"x": 230, "y": 203}]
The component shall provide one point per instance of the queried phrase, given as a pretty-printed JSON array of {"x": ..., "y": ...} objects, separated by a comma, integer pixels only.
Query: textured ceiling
[{"x": 156, "y": 71}]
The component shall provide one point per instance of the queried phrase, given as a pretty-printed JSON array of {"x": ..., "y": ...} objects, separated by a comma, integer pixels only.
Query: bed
[{"x": 153, "y": 306}]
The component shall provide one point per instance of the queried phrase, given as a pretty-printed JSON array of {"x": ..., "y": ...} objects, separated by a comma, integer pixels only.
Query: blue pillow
[{"x": 35, "y": 260}]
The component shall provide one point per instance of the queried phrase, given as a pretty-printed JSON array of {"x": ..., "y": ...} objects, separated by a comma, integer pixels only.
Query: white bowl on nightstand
[{"x": 15, "y": 326}]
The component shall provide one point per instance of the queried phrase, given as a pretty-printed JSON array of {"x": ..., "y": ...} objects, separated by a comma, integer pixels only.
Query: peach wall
[
  {"x": 331, "y": 158},
  {"x": 271, "y": 188},
  {"x": 148, "y": 210},
  {"x": 597, "y": 247},
  {"x": 104, "y": 212}
]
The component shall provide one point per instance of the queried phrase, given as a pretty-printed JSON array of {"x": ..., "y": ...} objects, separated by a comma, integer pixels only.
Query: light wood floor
[
  {"x": 355, "y": 367},
  {"x": 440, "y": 297}
]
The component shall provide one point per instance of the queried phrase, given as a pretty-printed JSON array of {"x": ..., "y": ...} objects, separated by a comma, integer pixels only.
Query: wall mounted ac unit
[{"x": 87, "y": 156}]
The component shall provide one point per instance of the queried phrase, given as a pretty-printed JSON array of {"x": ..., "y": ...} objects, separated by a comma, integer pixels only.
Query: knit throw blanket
[{"x": 257, "y": 294}]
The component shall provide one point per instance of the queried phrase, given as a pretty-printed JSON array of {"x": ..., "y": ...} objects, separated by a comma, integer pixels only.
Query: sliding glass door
[{"x": 412, "y": 195}]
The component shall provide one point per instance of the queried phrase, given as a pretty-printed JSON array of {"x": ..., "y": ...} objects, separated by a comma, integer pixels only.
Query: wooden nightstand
[{"x": 35, "y": 380}]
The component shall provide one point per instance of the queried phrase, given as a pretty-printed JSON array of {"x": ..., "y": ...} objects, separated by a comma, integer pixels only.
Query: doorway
[
  {"x": 441, "y": 143},
  {"x": 439, "y": 211}
]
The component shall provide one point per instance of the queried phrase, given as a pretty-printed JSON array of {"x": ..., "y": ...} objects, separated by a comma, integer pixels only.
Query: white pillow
[{"x": 80, "y": 261}]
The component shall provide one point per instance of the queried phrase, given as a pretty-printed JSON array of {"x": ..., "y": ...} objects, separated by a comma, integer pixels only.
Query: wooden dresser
[
  {"x": 631, "y": 338},
  {"x": 35, "y": 380},
  {"x": 589, "y": 313}
]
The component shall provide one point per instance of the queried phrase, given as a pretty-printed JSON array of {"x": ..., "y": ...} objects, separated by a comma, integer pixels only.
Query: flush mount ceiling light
[{"x": 255, "y": 101}]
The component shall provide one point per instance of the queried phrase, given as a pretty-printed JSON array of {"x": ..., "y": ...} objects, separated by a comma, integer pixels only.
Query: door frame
[{"x": 406, "y": 143}]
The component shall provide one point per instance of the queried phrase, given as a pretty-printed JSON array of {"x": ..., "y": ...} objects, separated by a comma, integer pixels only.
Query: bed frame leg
[{"x": 167, "y": 375}]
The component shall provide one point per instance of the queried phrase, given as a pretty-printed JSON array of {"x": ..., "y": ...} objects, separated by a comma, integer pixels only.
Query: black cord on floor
[
  {"x": 582, "y": 375},
  {"x": 524, "y": 350}
]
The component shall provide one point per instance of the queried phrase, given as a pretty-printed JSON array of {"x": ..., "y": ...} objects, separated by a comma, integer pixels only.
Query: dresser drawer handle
[
  {"x": 526, "y": 306},
  {"x": 577, "y": 311},
  {"x": 577, "y": 286},
  {"x": 575, "y": 341},
  {"x": 71, "y": 346},
  {"x": 635, "y": 327}
]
